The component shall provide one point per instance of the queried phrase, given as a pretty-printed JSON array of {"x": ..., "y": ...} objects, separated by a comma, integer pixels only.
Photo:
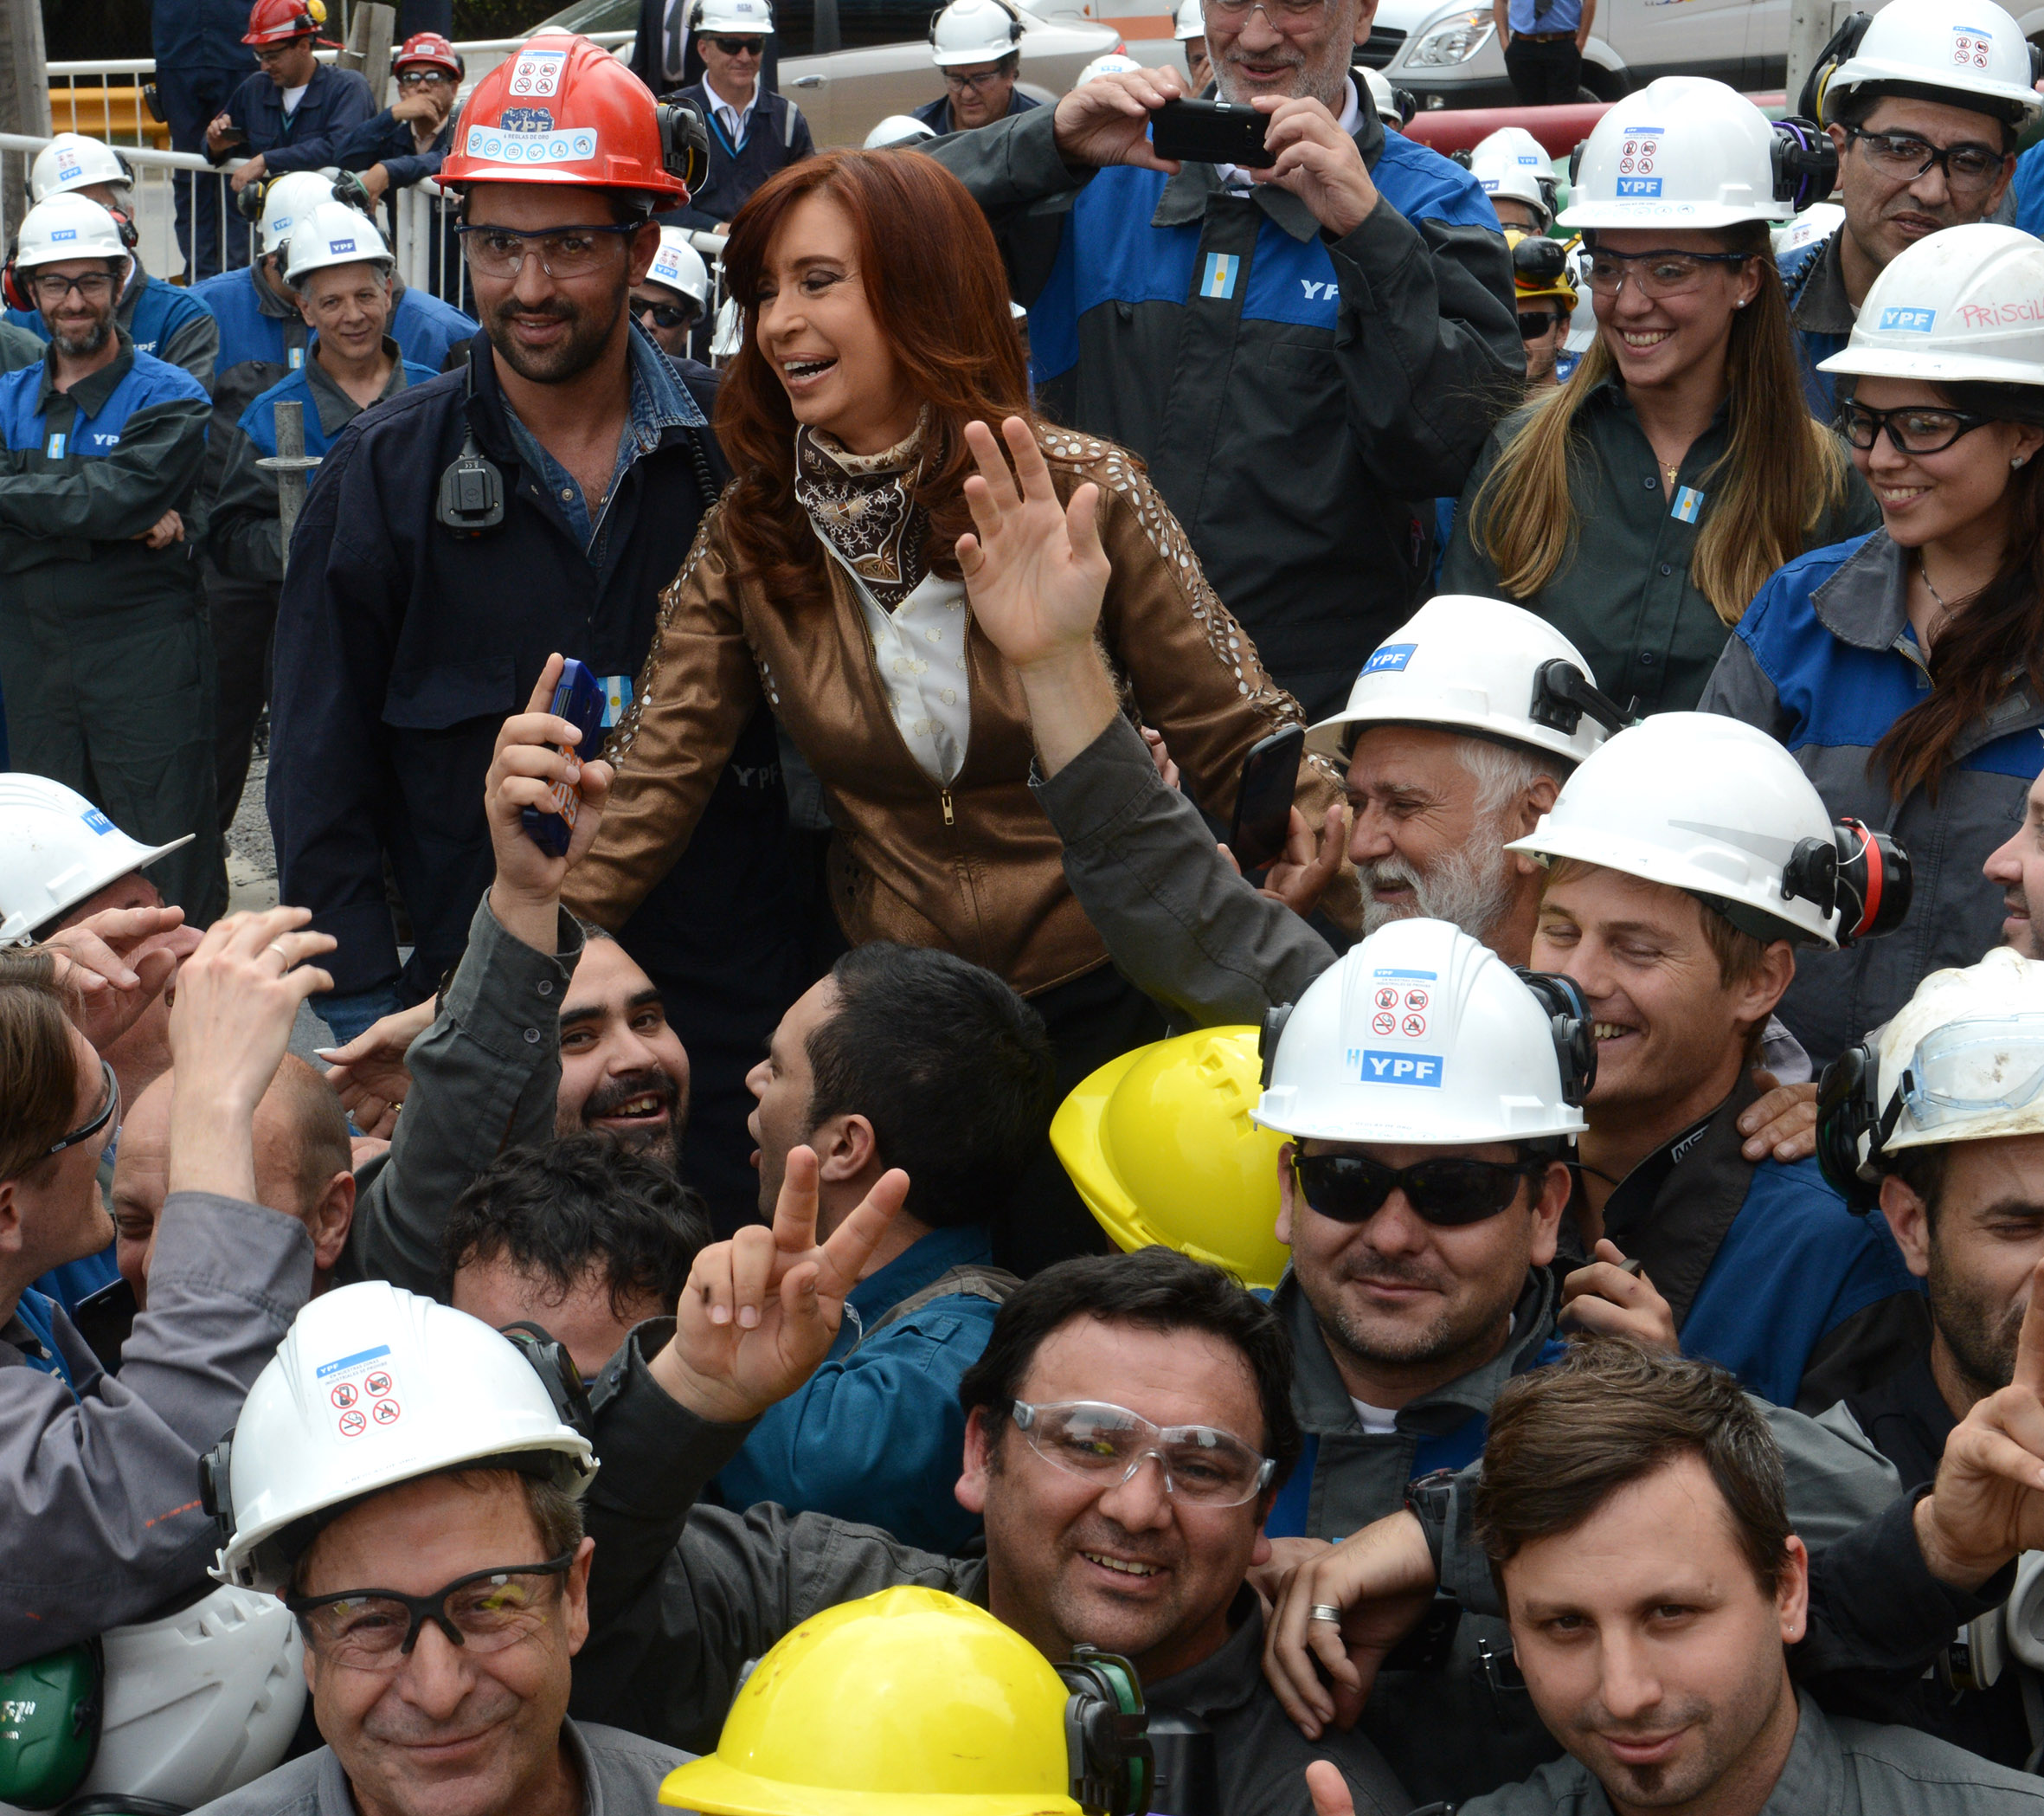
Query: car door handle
[{"x": 809, "y": 81}]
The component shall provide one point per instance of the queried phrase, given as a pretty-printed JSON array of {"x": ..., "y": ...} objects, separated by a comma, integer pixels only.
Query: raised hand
[
  {"x": 1035, "y": 572},
  {"x": 1317, "y": 162},
  {"x": 369, "y": 1073},
  {"x": 761, "y": 1311},
  {"x": 1311, "y": 860},
  {"x": 523, "y": 774},
  {"x": 116, "y": 963},
  {"x": 1988, "y": 1503},
  {"x": 1107, "y": 120},
  {"x": 237, "y": 997}
]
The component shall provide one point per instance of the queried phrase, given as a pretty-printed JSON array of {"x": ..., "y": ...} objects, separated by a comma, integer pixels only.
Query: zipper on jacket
[{"x": 944, "y": 794}]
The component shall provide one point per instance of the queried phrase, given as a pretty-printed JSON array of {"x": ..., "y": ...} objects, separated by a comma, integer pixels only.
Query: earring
[
  {"x": 2019, "y": 459},
  {"x": 1740, "y": 304}
]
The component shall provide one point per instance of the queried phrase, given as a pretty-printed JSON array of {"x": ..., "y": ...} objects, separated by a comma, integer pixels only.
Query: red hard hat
[
  {"x": 560, "y": 109},
  {"x": 428, "y": 47},
  {"x": 275, "y": 22}
]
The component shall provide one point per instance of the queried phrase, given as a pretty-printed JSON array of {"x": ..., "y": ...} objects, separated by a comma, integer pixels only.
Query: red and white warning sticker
[{"x": 352, "y": 1380}]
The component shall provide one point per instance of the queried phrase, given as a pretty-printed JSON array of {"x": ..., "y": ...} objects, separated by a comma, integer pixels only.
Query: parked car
[
  {"x": 848, "y": 64},
  {"x": 1446, "y": 51}
]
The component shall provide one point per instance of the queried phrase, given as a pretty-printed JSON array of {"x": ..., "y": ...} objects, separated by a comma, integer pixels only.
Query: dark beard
[
  {"x": 1981, "y": 1337},
  {"x": 582, "y": 350},
  {"x": 95, "y": 339}
]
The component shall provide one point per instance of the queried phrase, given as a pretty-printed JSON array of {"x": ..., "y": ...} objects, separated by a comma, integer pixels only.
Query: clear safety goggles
[
  {"x": 1108, "y": 1443},
  {"x": 1973, "y": 1068}
]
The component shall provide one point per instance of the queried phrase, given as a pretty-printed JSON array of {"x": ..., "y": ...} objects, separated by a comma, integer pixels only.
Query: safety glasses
[
  {"x": 486, "y": 1610},
  {"x": 562, "y": 252},
  {"x": 1911, "y": 428},
  {"x": 1902, "y": 157},
  {"x": 980, "y": 81},
  {"x": 108, "y": 1111},
  {"x": 1974, "y": 1068},
  {"x": 740, "y": 47},
  {"x": 1665, "y": 272},
  {"x": 1446, "y": 1192},
  {"x": 1107, "y": 1444}
]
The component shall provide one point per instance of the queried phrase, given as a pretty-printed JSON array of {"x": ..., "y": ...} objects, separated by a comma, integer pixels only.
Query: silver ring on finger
[
  {"x": 1326, "y": 1611},
  {"x": 280, "y": 952}
]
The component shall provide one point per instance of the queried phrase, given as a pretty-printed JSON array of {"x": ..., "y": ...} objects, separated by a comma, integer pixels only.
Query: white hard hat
[
  {"x": 1967, "y": 56},
  {"x": 1468, "y": 664},
  {"x": 71, "y": 161},
  {"x": 373, "y": 1386},
  {"x": 199, "y": 1703},
  {"x": 331, "y": 233},
  {"x": 1817, "y": 221},
  {"x": 1960, "y": 306},
  {"x": 754, "y": 18},
  {"x": 1383, "y": 96},
  {"x": 727, "y": 334},
  {"x": 1517, "y": 144},
  {"x": 679, "y": 266},
  {"x": 1499, "y": 175},
  {"x": 972, "y": 31},
  {"x": 291, "y": 197},
  {"x": 66, "y": 227},
  {"x": 1421, "y": 1035},
  {"x": 1683, "y": 151},
  {"x": 56, "y": 849},
  {"x": 1702, "y": 804},
  {"x": 898, "y": 129},
  {"x": 1190, "y": 21},
  {"x": 1114, "y": 62},
  {"x": 1963, "y": 1060}
]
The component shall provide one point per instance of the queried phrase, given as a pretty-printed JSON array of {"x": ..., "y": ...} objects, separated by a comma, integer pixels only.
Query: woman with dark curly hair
[{"x": 827, "y": 584}]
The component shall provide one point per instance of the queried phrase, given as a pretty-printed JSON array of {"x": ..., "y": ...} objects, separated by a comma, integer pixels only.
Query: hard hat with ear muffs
[
  {"x": 1974, "y": 57},
  {"x": 1962, "y": 1060},
  {"x": 66, "y": 227},
  {"x": 974, "y": 31}
]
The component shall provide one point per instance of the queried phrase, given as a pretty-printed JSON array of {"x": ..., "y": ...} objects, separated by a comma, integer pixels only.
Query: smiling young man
[
  {"x": 1665, "y": 903},
  {"x": 430, "y": 609},
  {"x": 1632, "y": 1505},
  {"x": 339, "y": 268},
  {"x": 1926, "y": 140},
  {"x": 1126, "y": 1429}
]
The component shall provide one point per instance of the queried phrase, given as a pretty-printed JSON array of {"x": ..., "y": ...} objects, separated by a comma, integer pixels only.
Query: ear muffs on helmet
[
  {"x": 1575, "y": 1031},
  {"x": 684, "y": 143},
  {"x": 1576, "y": 162},
  {"x": 1863, "y": 876},
  {"x": 1274, "y": 1020},
  {"x": 1805, "y": 163},
  {"x": 1106, "y": 1734},
  {"x": 348, "y": 187},
  {"x": 1844, "y": 47},
  {"x": 1847, "y": 1111},
  {"x": 1014, "y": 24},
  {"x": 12, "y": 291},
  {"x": 557, "y": 1374},
  {"x": 131, "y": 236},
  {"x": 1562, "y": 692},
  {"x": 248, "y": 201}
]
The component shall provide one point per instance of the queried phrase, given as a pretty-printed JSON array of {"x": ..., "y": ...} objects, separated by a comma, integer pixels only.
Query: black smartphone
[
  {"x": 1210, "y": 133},
  {"x": 579, "y": 699},
  {"x": 103, "y": 1319},
  {"x": 1264, "y": 799}
]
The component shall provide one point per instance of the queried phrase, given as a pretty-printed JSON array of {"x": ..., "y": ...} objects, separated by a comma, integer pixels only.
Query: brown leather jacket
[{"x": 975, "y": 868}]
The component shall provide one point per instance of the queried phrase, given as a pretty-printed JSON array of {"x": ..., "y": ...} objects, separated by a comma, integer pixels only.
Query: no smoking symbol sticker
[
  {"x": 344, "y": 1395},
  {"x": 377, "y": 1384},
  {"x": 385, "y": 1412},
  {"x": 1385, "y": 1023},
  {"x": 353, "y": 1425}
]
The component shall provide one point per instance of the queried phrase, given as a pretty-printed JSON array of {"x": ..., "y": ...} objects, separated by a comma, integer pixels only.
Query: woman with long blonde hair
[{"x": 1641, "y": 507}]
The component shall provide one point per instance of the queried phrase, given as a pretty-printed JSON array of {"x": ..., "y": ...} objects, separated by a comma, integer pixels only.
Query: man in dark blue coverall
[{"x": 200, "y": 61}]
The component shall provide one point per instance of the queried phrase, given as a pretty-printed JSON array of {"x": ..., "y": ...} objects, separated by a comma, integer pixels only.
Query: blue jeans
[
  {"x": 349, "y": 1015},
  {"x": 191, "y": 101}
]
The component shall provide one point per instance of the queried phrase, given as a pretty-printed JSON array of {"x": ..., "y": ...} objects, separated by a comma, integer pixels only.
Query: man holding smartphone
[{"x": 1353, "y": 299}]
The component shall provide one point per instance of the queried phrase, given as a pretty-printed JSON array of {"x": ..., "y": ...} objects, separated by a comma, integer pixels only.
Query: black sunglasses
[
  {"x": 740, "y": 47},
  {"x": 1447, "y": 1192},
  {"x": 664, "y": 315},
  {"x": 1533, "y": 323}
]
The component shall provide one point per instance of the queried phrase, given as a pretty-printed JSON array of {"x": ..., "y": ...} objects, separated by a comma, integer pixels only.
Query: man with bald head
[{"x": 303, "y": 1168}]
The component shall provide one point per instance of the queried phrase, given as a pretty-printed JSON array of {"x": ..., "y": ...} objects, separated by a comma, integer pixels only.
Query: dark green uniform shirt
[{"x": 1626, "y": 599}]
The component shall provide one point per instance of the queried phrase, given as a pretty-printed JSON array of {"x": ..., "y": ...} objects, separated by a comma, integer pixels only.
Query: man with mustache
[
  {"x": 536, "y": 499},
  {"x": 1926, "y": 140}
]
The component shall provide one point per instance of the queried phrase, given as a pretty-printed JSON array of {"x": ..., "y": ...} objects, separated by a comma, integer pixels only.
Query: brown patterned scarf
[{"x": 862, "y": 505}]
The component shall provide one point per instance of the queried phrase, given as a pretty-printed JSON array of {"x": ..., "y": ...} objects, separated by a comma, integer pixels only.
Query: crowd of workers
[{"x": 1126, "y": 850}]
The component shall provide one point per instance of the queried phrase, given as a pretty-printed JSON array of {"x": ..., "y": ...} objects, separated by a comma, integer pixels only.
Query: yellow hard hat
[
  {"x": 909, "y": 1702},
  {"x": 1161, "y": 1146},
  {"x": 1541, "y": 271}
]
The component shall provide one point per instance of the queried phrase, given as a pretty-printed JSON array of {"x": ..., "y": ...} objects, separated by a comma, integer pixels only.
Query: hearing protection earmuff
[
  {"x": 1849, "y": 1108},
  {"x": 1014, "y": 24},
  {"x": 1538, "y": 260},
  {"x": 1575, "y": 1033},
  {"x": 12, "y": 291},
  {"x": 1106, "y": 1734},
  {"x": 1863, "y": 876},
  {"x": 1275, "y": 1018},
  {"x": 1805, "y": 163},
  {"x": 1562, "y": 692},
  {"x": 1844, "y": 47},
  {"x": 684, "y": 143}
]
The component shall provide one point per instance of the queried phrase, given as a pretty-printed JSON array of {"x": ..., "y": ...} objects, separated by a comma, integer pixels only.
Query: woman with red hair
[{"x": 826, "y": 582}]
